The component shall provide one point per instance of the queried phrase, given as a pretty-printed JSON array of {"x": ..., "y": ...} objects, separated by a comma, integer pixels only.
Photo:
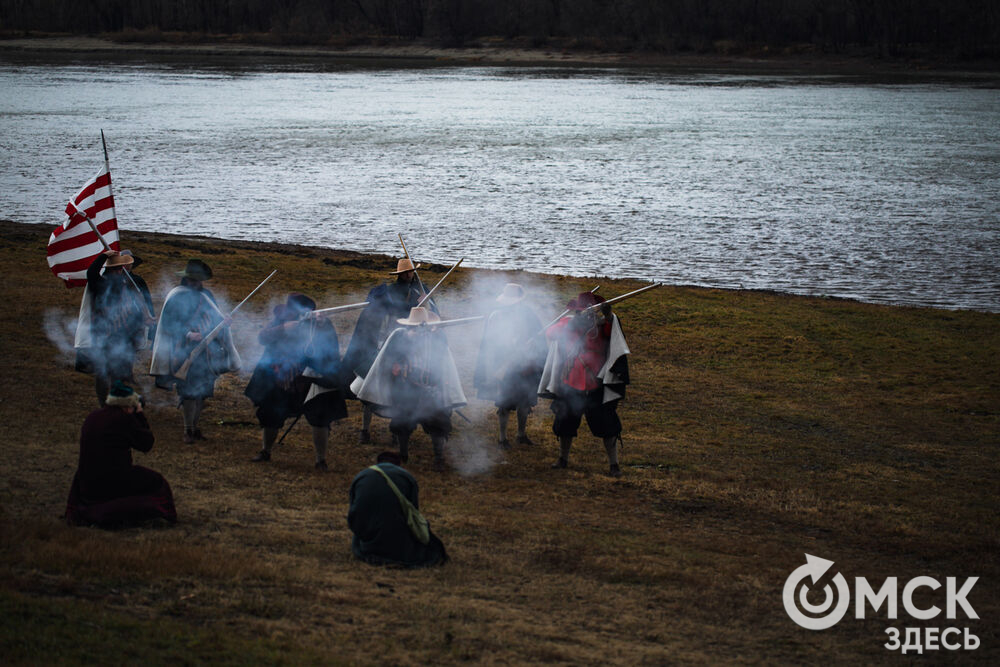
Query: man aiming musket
[
  {"x": 387, "y": 303},
  {"x": 298, "y": 374},
  {"x": 193, "y": 345},
  {"x": 414, "y": 382},
  {"x": 586, "y": 373}
]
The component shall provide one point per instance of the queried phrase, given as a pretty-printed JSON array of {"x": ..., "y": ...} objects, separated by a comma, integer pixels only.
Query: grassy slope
[{"x": 758, "y": 427}]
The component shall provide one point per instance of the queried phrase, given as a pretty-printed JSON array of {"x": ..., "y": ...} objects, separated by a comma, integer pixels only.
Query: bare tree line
[{"x": 960, "y": 28}]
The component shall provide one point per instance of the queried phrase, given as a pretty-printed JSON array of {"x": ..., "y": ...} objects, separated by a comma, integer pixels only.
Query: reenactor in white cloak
[
  {"x": 190, "y": 312},
  {"x": 413, "y": 381},
  {"x": 585, "y": 375},
  {"x": 387, "y": 303}
]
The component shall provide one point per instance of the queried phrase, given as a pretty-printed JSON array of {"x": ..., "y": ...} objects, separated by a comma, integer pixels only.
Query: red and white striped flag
[{"x": 74, "y": 245}]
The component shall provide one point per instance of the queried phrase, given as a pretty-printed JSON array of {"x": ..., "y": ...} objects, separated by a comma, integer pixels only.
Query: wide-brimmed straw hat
[
  {"x": 118, "y": 260},
  {"x": 419, "y": 315},
  {"x": 136, "y": 260},
  {"x": 196, "y": 270},
  {"x": 404, "y": 265},
  {"x": 584, "y": 300},
  {"x": 512, "y": 293}
]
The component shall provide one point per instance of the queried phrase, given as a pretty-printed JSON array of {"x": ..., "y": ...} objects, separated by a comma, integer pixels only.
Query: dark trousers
[{"x": 572, "y": 406}]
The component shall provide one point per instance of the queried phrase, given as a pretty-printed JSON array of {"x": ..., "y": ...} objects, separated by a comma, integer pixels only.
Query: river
[{"x": 879, "y": 190}]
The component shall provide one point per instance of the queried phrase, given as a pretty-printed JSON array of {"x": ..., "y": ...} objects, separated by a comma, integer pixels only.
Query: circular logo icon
[{"x": 811, "y": 616}]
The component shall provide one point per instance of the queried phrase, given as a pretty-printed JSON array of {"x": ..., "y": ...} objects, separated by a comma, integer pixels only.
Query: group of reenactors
[{"x": 397, "y": 364}]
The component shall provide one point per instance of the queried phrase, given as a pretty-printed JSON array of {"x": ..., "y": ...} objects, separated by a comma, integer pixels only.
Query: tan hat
[
  {"x": 404, "y": 265},
  {"x": 118, "y": 260},
  {"x": 419, "y": 315},
  {"x": 512, "y": 293}
]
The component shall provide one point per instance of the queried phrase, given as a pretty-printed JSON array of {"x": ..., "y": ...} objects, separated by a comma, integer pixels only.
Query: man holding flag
[
  {"x": 114, "y": 313},
  {"x": 118, "y": 320}
]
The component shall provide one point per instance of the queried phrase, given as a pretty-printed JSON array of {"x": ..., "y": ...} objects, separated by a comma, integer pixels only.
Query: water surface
[{"x": 879, "y": 191}]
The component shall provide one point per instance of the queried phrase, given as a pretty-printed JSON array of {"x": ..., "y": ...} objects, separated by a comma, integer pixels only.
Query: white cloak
[
  {"x": 552, "y": 373},
  {"x": 164, "y": 342}
]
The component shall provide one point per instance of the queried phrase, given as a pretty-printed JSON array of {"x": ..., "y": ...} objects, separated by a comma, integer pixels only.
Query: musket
[
  {"x": 407, "y": 253},
  {"x": 181, "y": 373},
  {"x": 451, "y": 323},
  {"x": 428, "y": 294},
  {"x": 502, "y": 371},
  {"x": 334, "y": 309},
  {"x": 621, "y": 297},
  {"x": 93, "y": 226},
  {"x": 558, "y": 317}
]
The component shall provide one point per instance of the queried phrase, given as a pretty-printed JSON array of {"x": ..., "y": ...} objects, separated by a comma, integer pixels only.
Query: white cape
[
  {"x": 552, "y": 374},
  {"x": 375, "y": 387},
  {"x": 83, "y": 339},
  {"x": 163, "y": 343}
]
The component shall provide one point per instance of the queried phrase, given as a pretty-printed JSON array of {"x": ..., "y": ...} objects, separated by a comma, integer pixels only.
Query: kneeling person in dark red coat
[{"x": 108, "y": 490}]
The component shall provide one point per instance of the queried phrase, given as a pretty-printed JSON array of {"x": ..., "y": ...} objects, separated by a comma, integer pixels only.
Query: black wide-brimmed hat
[
  {"x": 196, "y": 270},
  {"x": 295, "y": 305}
]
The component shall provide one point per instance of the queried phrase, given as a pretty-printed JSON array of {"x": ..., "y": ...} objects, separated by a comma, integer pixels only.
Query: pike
[
  {"x": 407, "y": 253},
  {"x": 181, "y": 373},
  {"x": 428, "y": 294}
]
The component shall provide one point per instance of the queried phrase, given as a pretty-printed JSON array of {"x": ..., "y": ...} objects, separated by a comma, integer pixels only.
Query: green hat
[{"x": 123, "y": 395}]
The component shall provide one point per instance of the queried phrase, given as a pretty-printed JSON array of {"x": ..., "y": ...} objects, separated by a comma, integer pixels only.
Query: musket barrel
[
  {"x": 186, "y": 366},
  {"x": 624, "y": 296},
  {"x": 461, "y": 320},
  {"x": 428, "y": 294},
  {"x": 247, "y": 298},
  {"x": 407, "y": 253},
  {"x": 339, "y": 309}
]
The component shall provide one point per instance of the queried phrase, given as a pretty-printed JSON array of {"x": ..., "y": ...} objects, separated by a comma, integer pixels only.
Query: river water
[{"x": 882, "y": 191}]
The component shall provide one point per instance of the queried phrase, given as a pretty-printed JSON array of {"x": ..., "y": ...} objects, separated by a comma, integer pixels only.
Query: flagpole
[
  {"x": 93, "y": 226},
  {"x": 107, "y": 168}
]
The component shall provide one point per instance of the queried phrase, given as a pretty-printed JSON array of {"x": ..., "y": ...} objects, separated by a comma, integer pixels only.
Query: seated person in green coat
[{"x": 378, "y": 520}]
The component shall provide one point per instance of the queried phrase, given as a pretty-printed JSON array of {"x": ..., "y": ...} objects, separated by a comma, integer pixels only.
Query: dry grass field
[{"x": 759, "y": 427}]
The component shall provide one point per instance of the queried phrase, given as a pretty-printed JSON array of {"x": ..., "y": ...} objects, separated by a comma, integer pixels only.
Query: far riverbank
[{"x": 502, "y": 53}]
